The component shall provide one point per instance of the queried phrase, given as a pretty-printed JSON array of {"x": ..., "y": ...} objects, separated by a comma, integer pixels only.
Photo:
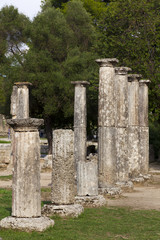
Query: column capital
[
  {"x": 122, "y": 70},
  {"x": 107, "y": 62},
  {"x": 144, "y": 82},
  {"x": 134, "y": 77},
  {"x": 79, "y": 83},
  {"x": 21, "y": 84},
  {"x": 25, "y": 124}
]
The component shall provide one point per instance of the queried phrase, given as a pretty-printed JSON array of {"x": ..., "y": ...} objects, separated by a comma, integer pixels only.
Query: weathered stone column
[
  {"x": 19, "y": 106},
  {"x": 121, "y": 122},
  {"x": 87, "y": 169},
  {"x": 133, "y": 125},
  {"x": 106, "y": 123},
  {"x": 20, "y": 100},
  {"x": 26, "y": 197},
  {"x": 80, "y": 136},
  {"x": 64, "y": 187},
  {"x": 144, "y": 129}
]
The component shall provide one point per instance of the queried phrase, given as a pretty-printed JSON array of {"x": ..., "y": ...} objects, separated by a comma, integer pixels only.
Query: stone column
[
  {"x": 80, "y": 136},
  {"x": 26, "y": 197},
  {"x": 121, "y": 122},
  {"x": 64, "y": 187},
  {"x": 143, "y": 123},
  {"x": 19, "y": 106},
  {"x": 106, "y": 123},
  {"x": 87, "y": 170},
  {"x": 133, "y": 125},
  {"x": 20, "y": 100}
]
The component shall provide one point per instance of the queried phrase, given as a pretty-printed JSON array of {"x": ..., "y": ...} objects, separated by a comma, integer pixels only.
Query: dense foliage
[{"x": 63, "y": 42}]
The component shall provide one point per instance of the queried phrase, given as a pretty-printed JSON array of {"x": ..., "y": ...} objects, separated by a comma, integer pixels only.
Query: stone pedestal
[
  {"x": 63, "y": 176},
  {"x": 121, "y": 122},
  {"x": 133, "y": 125},
  {"x": 106, "y": 123},
  {"x": 26, "y": 197},
  {"x": 143, "y": 123}
]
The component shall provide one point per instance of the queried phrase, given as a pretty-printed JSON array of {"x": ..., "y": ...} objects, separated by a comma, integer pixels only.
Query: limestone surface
[
  {"x": 107, "y": 156},
  {"x": 64, "y": 169},
  {"x": 91, "y": 201},
  {"x": 72, "y": 210},
  {"x": 27, "y": 224}
]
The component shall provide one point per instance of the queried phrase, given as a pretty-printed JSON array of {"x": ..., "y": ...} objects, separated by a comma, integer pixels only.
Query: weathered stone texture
[
  {"x": 73, "y": 210},
  {"x": 122, "y": 154},
  {"x": 106, "y": 123},
  {"x": 5, "y": 155},
  {"x": 3, "y": 126},
  {"x": 133, "y": 99},
  {"x": 143, "y": 103},
  {"x": 80, "y": 147},
  {"x": 107, "y": 156},
  {"x": 88, "y": 177},
  {"x": 91, "y": 201},
  {"x": 27, "y": 224},
  {"x": 64, "y": 169},
  {"x": 106, "y": 101},
  {"x": 144, "y": 150},
  {"x": 133, "y": 151},
  {"x": 20, "y": 100},
  {"x": 121, "y": 96},
  {"x": 26, "y": 198}
]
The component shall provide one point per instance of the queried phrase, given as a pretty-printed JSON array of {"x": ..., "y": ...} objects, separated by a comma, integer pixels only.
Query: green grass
[
  {"x": 6, "y": 178},
  {"x": 94, "y": 224},
  {"x": 47, "y": 189},
  {"x": 7, "y": 142}
]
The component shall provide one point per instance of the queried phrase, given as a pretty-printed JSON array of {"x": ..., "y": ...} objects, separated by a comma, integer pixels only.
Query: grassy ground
[
  {"x": 94, "y": 224},
  {"x": 3, "y": 141},
  {"x": 6, "y": 178}
]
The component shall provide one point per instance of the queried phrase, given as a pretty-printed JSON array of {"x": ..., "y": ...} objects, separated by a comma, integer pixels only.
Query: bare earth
[{"x": 143, "y": 197}]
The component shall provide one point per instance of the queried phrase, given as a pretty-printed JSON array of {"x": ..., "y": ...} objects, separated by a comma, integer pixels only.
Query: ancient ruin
[
  {"x": 63, "y": 176},
  {"x": 20, "y": 100},
  {"x": 106, "y": 124},
  {"x": 121, "y": 122},
  {"x": 143, "y": 124},
  {"x": 87, "y": 169},
  {"x": 26, "y": 197}
]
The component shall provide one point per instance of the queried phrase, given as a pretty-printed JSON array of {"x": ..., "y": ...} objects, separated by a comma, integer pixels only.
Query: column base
[
  {"x": 111, "y": 191},
  {"x": 126, "y": 186},
  {"x": 91, "y": 201},
  {"x": 27, "y": 224},
  {"x": 72, "y": 210},
  {"x": 141, "y": 179}
]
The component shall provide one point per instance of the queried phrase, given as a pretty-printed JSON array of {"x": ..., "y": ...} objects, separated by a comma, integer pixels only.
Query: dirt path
[{"x": 143, "y": 197}]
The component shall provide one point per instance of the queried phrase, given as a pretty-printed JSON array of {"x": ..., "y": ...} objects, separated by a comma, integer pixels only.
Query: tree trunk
[{"x": 48, "y": 129}]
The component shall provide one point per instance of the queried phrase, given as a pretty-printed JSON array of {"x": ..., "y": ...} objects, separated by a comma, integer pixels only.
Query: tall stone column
[
  {"x": 121, "y": 122},
  {"x": 26, "y": 197},
  {"x": 87, "y": 170},
  {"x": 64, "y": 187},
  {"x": 133, "y": 125},
  {"x": 106, "y": 123},
  {"x": 20, "y": 100},
  {"x": 144, "y": 129},
  {"x": 80, "y": 135}
]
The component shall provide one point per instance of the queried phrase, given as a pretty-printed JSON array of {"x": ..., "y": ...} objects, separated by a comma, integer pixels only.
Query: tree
[
  {"x": 13, "y": 40},
  {"x": 60, "y": 52},
  {"x": 129, "y": 30}
]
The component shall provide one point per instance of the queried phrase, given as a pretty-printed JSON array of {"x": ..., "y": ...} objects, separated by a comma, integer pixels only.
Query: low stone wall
[{"x": 5, "y": 155}]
